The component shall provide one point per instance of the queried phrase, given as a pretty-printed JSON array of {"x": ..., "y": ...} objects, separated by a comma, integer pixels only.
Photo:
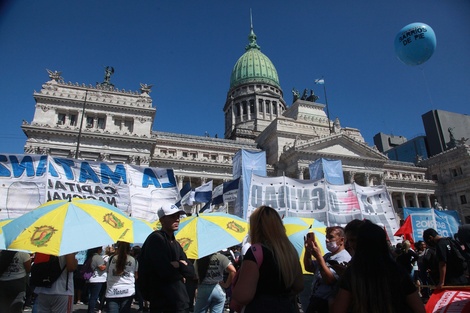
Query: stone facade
[
  {"x": 451, "y": 171},
  {"x": 117, "y": 127}
]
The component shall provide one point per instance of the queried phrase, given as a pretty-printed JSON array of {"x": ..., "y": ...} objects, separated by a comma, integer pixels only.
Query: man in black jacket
[
  {"x": 451, "y": 263},
  {"x": 163, "y": 266}
]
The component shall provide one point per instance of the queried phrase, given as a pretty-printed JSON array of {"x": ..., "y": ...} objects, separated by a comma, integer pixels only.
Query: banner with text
[
  {"x": 446, "y": 223},
  {"x": 27, "y": 181},
  {"x": 330, "y": 204}
]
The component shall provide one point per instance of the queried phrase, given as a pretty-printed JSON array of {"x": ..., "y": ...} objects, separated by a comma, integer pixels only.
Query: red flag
[
  {"x": 455, "y": 299},
  {"x": 406, "y": 231}
]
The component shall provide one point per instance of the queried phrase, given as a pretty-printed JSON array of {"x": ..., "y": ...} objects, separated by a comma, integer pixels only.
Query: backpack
[
  {"x": 456, "y": 257},
  {"x": 45, "y": 270}
]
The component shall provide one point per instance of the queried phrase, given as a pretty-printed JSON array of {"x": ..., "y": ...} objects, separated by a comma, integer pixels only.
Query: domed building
[
  {"x": 118, "y": 128},
  {"x": 255, "y": 96}
]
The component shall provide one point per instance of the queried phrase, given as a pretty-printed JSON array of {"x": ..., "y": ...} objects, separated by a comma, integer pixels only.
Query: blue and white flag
[
  {"x": 218, "y": 195},
  {"x": 188, "y": 199},
  {"x": 203, "y": 193},
  {"x": 230, "y": 190},
  {"x": 320, "y": 81},
  {"x": 183, "y": 192}
]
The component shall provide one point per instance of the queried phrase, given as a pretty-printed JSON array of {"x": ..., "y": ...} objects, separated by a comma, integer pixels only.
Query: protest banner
[
  {"x": 328, "y": 203},
  {"x": 27, "y": 181}
]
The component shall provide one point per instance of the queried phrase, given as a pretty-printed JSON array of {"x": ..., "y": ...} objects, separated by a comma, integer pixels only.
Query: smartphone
[{"x": 310, "y": 236}]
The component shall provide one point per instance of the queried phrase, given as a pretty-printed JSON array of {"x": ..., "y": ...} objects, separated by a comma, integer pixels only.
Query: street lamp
[{"x": 81, "y": 125}]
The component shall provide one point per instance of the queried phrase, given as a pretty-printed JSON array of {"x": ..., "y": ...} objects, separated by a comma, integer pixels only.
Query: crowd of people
[{"x": 361, "y": 272}]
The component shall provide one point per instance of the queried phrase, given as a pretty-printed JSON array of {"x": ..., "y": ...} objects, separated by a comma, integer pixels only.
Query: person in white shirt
[{"x": 121, "y": 275}]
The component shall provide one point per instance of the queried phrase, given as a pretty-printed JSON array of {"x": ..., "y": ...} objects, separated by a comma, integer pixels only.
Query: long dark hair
[
  {"x": 123, "y": 249},
  {"x": 372, "y": 271}
]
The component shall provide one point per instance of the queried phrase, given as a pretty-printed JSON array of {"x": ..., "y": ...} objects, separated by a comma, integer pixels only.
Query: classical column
[
  {"x": 300, "y": 173},
  {"x": 403, "y": 200},
  {"x": 351, "y": 176},
  {"x": 428, "y": 201},
  {"x": 367, "y": 179},
  {"x": 415, "y": 199},
  {"x": 180, "y": 181}
]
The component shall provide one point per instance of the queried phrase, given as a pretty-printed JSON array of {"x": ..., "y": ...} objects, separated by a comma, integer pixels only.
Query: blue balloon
[{"x": 415, "y": 43}]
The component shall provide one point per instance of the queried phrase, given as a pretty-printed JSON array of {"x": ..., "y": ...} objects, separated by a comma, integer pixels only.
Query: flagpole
[{"x": 321, "y": 81}]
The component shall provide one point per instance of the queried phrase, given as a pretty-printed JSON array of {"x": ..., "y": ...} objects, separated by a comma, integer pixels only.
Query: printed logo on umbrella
[
  {"x": 234, "y": 226},
  {"x": 42, "y": 235},
  {"x": 113, "y": 221},
  {"x": 185, "y": 243}
]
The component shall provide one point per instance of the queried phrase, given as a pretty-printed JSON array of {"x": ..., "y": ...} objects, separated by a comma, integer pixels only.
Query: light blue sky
[{"x": 187, "y": 50}]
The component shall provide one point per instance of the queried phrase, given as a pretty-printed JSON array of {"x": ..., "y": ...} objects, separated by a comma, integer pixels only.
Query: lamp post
[{"x": 81, "y": 125}]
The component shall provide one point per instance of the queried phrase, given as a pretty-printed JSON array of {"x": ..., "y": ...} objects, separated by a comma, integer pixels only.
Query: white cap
[{"x": 168, "y": 209}]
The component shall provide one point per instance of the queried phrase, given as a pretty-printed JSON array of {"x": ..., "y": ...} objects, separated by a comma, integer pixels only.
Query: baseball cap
[{"x": 168, "y": 209}]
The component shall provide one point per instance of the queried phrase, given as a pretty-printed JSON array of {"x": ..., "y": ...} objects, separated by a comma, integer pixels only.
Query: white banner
[
  {"x": 27, "y": 181},
  {"x": 330, "y": 204}
]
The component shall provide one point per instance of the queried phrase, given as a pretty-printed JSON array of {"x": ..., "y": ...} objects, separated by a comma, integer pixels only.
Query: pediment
[{"x": 340, "y": 145}]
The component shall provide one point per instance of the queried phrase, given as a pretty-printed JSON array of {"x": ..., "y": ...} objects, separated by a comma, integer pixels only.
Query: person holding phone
[{"x": 325, "y": 276}]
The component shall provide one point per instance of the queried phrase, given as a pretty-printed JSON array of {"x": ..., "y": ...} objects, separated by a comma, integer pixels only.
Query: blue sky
[{"x": 187, "y": 50}]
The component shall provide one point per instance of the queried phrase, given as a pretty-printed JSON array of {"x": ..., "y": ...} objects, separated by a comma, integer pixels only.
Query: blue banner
[
  {"x": 446, "y": 223},
  {"x": 331, "y": 170},
  {"x": 246, "y": 163}
]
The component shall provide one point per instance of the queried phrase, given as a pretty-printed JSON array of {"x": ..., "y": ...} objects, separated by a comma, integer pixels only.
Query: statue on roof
[
  {"x": 452, "y": 142},
  {"x": 304, "y": 95},
  {"x": 145, "y": 88},
  {"x": 296, "y": 95},
  {"x": 108, "y": 71},
  {"x": 54, "y": 75},
  {"x": 312, "y": 97}
]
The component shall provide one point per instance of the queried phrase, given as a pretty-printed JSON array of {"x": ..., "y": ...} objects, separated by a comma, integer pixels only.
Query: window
[
  {"x": 89, "y": 122},
  {"x": 73, "y": 120},
  {"x": 61, "y": 119},
  {"x": 268, "y": 107},
  {"x": 185, "y": 154},
  {"x": 252, "y": 106},
  {"x": 129, "y": 125},
  {"x": 237, "y": 109},
  {"x": 101, "y": 122},
  {"x": 213, "y": 157},
  {"x": 260, "y": 106},
  {"x": 245, "y": 108},
  {"x": 463, "y": 199},
  {"x": 274, "y": 107}
]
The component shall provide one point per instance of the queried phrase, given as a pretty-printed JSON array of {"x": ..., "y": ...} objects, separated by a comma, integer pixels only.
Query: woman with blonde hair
[{"x": 272, "y": 285}]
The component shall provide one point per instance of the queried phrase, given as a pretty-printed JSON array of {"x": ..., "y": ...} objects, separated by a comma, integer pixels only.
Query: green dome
[{"x": 253, "y": 66}]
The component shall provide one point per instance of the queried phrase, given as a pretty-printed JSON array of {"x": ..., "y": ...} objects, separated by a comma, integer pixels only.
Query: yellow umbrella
[
  {"x": 2, "y": 238},
  {"x": 139, "y": 231},
  {"x": 296, "y": 230},
  {"x": 60, "y": 227},
  {"x": 206, "y": 233}
]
